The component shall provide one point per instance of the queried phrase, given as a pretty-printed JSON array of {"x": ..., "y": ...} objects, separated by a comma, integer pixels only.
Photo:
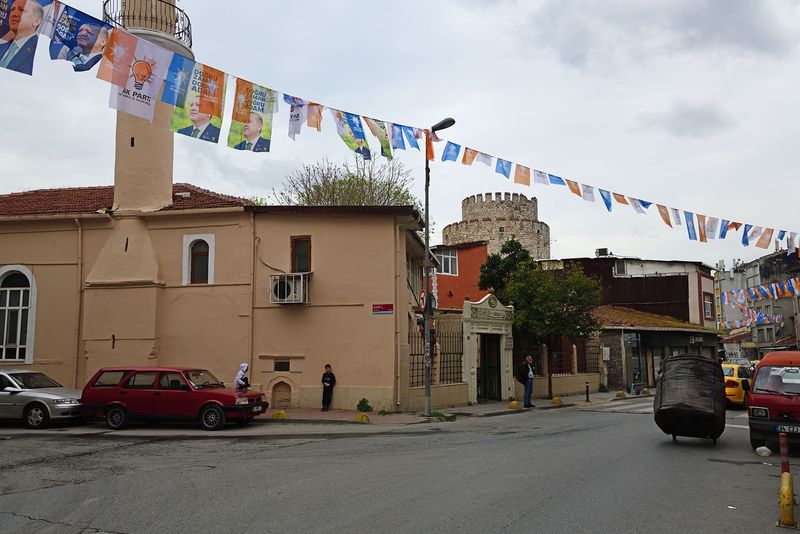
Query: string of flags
[
  {"x": 137, "y": 68},
  {"x": 783, "y": 288},
  {"x": 754, "y": 319}
]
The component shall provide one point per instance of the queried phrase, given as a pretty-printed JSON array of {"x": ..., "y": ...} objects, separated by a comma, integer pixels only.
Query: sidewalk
[
  {"x": 312, "y": 415},
  {"x": 494, "y": 408}
]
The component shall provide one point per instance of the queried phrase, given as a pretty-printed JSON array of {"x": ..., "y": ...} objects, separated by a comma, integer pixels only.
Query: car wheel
[
  {"x": 756, "y": 443},
  {"x": 116, "y": 418},
  {"x": 212, "y": 418},
  {"x": 36, "y": 416}
]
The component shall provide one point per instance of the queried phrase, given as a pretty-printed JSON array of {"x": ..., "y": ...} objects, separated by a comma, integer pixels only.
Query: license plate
[
  {"x": 788, "y": 428},
  {"x": 258, "y": 409}
]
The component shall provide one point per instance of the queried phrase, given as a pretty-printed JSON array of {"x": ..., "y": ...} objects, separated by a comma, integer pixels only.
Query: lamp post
[{"x": 426, "y": 263}]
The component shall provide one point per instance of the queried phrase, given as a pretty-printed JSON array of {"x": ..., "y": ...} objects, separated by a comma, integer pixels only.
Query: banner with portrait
[
  {"x": 253, "y": 109},
  {"x": 349, "y": 128},
  {"x": 136, "y": 68},
  {"x": 198, "y": 93},
  {"x": 21, "y": 23},
  {"x": 79, "y": 38}
]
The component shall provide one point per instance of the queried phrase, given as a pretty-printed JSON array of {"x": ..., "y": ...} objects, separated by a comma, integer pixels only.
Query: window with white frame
[
  {"x": 708, "y": 305},
  {"x": 448, "y": 262},
  {"x": 198, "y": 259},
  {"x": 17, "y": 309}
]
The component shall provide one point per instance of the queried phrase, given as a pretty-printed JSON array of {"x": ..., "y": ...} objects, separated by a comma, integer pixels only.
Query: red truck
[{"x": 774, "y": 399}]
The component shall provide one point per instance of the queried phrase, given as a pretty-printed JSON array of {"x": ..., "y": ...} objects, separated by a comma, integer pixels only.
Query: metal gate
[{"x": 446, "y": 359}]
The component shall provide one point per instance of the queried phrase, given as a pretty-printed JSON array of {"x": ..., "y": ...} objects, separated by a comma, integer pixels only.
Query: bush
[
  {"x": 363, "y": 405},
  {"x": 602, "y": 388}
]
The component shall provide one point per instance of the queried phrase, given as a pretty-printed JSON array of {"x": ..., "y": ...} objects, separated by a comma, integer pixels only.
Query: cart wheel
[{"x": 674, "y": 437}]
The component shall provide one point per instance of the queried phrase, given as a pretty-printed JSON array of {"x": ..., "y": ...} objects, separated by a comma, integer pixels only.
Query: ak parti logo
[{"x": 142, "y": 70}]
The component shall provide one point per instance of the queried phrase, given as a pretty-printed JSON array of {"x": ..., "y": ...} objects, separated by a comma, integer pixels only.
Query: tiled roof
[
  {"x": 617, "y": 317},
  {"x": 91, "y": 199}
]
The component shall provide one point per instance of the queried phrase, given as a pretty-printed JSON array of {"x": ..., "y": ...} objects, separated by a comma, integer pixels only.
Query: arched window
[
  {"x": 199, "y": 263},
  {"x": 15, "y": 305},
  {"x": 198, "y": 259}
]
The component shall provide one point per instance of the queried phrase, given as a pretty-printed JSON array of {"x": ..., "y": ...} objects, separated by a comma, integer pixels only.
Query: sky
[{"x": 687, "y": 103}]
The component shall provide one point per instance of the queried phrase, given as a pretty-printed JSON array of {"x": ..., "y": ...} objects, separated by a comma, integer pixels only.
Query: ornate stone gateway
[{"x": 488, "y": 349}]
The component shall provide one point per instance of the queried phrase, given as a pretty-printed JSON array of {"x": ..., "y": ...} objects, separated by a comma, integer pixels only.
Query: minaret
[
  {"x": 144, "y": 154},
  {"x": 121, "y": 323}
]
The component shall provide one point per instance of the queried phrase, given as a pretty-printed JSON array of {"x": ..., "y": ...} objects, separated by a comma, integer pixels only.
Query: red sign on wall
[{"x": 382, "y": 309}]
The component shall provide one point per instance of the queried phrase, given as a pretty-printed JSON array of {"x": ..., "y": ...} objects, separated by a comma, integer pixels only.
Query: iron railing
[
  {"x": 156, "y": 15},
  {"x": 446, "y": 362}
]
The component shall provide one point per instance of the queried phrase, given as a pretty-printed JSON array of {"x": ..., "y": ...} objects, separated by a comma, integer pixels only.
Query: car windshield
[
  {"x": 727, "y": 371},
  {"x": 200, "y": 378},
  {"x": 777, "y": 379},
  {"x": 34, "y": 380}
]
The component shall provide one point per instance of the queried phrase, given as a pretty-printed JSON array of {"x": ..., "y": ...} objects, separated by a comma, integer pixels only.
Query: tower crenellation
[{"x": 495, "y": 218}]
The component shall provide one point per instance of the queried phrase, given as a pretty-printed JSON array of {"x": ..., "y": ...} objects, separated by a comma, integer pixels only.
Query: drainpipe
[
  {"x": 79, "y": 314},
  {"x": 397, "y": 318},
  {"x": 252, "y": 288}
]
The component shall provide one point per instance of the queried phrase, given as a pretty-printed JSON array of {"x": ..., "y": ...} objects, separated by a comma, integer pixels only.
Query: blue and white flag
[
  {"x": 451, "y": 151},
  {"x": 723, "y": 228},
  {"x": 606, "y": 196},
  {"x": 396, "y": 137},
  {"x": 540, "y": 177},
  {"x": 176, "y": 84},
  {"x": 411, "y": 136},
  {"x": 503, "y": 167},
  {"x": 746, "y": 235},
  {"x": 557, "y": 180},
  {"x": 689, "y": 217},
  {"x": 587, "y": 192}
]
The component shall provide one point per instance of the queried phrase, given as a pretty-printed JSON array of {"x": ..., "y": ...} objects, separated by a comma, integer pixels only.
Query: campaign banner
[
  {"x": 349, "y": 128},
  {"x": 380, "y": 130},
  {"x": 21, "y": 23},
  {"x": 79, "y": 38},
  {"x": 198, "y": 93},
  {"x": 253, "y": 109},
  {"x": 298, "y": 114},
  {"x": 135, "y": 67}
]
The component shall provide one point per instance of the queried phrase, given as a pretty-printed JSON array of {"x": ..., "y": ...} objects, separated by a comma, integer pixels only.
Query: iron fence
[
  {"x": 157, "y": 15},
  {"x": 446, "y": 362}
]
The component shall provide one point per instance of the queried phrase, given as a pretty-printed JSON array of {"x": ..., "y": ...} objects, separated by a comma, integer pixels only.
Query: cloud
[
  {"x": 589, "y": 33},
  {"x": 686, "y": 119}
]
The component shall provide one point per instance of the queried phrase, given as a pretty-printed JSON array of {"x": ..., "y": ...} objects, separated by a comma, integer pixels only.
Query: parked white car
[{"x": 36, "y": 399}]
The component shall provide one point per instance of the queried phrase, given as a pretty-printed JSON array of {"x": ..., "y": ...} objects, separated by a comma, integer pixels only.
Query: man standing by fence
[{"x": 525, "y": 377}]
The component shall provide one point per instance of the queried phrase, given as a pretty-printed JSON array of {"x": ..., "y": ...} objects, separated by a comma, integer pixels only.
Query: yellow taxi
[{"x": 735, "y": 374}]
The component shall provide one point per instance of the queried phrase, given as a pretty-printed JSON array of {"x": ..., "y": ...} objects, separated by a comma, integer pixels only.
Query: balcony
[
  {"x": 155, "y": 15},
  {"x": 288, "y": 288}
]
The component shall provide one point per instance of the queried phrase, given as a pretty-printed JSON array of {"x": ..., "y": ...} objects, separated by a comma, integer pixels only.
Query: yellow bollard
[
  {"x": 280, "y": 414},
  {"x": 555, "y": 401},
  {"x": 786, "y": 500},
  {"x": 620, "y": 394},
  {"x": 362, "y": 418},
  {"x": 513, "y": 405}
]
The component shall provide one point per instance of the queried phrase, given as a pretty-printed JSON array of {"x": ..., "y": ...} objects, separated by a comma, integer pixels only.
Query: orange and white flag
[
  {"x": 664, "y": 212},
  {"x": 522, "y": 175},
  {"x": 620, "y": 198},
  {"x": 574, "y": 187},
  {"x": 766, "y": 238},
  {"x": 701, "y": 228},
  {"x": 469, "y": 156}
]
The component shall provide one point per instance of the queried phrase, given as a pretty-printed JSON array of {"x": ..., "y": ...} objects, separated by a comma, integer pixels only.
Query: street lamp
[{"x": 426, "y": 311}]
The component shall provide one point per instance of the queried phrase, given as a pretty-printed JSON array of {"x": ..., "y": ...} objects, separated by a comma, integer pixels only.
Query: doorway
[
  {"x": 281, "y": 396},
  {"x": 489, "y": 369}
]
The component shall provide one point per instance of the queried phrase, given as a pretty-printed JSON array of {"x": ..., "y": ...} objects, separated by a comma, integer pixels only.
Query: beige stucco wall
[
  {"x": 562, "y": 385},
  {"x": 136, "y": 309}
]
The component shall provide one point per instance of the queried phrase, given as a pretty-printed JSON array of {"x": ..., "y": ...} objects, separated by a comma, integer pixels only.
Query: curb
[{"x": 628, "y": 397}]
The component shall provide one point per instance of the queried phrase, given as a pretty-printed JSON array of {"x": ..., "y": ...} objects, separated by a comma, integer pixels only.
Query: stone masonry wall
[{"x": 495, "y": 218}]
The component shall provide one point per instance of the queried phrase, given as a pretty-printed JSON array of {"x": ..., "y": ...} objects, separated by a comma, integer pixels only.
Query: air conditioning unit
[{"x": 288, "y": 288}]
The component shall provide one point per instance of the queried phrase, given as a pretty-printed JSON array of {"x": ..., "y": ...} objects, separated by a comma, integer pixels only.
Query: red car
[{"x": 120, "y": 394}]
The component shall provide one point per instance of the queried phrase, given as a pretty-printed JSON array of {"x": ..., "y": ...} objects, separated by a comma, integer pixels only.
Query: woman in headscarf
[{"x": 240, "y": 382}]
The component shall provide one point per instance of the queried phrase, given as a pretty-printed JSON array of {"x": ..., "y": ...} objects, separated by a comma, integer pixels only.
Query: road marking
[{"x": 628, "y": 407}]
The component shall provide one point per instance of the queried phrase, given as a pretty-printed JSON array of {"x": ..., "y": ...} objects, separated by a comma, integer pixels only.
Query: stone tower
[{"x": 496, "y": 218}]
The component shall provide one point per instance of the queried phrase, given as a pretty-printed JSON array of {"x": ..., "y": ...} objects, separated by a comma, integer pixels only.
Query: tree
[
  {"x": 359, "y": 183},
  {"x": 498, "y": 267},
  {"x": 549, "y": 304}
]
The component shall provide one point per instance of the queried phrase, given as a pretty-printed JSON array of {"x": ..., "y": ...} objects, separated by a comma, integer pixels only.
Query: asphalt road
[{"x": 568, "y": 470}]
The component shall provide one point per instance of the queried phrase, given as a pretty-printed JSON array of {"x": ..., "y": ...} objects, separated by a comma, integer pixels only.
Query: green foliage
[
  {"x": 553, "y": 303},
  {"x": 258, "y": 201},
  {"x": 363, "y": 405},
  {"x": 498, "y": 267},
  {"x": 602, "y": 388},
  {"x": 384, "y": 412}
]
